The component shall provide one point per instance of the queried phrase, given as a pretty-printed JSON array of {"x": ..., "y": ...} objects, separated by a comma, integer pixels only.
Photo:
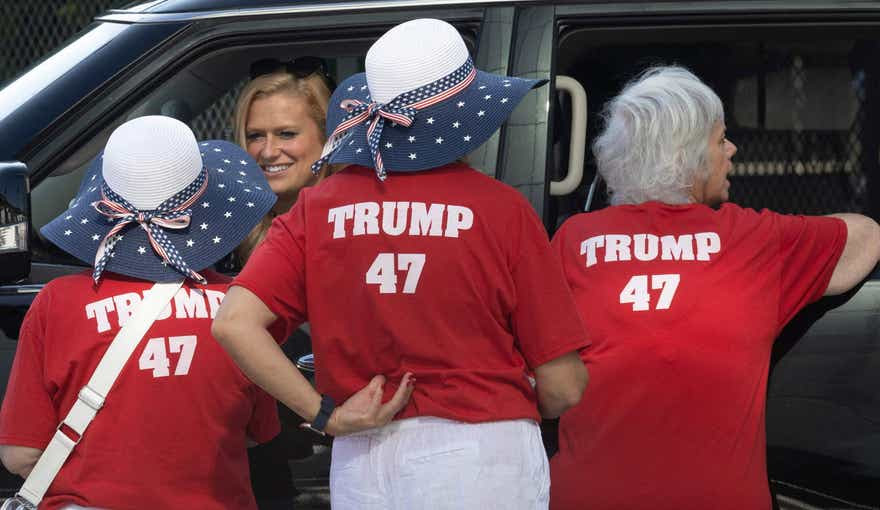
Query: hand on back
[{"x": 364, "y": 410}]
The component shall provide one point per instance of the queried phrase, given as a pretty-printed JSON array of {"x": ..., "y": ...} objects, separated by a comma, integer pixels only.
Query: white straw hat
[
  {"x": 396, "y": 62},
  {"x": 420, "y": 104},
  {"x": 149, "y": 159}
]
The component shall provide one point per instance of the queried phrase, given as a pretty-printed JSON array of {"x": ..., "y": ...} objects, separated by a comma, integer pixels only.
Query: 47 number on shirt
[
  {"x": 636, "y": 291},
  {"x": 155, "y": 355},
  {"x": 383, "y": 271}
]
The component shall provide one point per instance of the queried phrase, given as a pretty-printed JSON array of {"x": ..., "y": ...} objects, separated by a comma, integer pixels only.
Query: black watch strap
[{"x": 320, "y": 421}]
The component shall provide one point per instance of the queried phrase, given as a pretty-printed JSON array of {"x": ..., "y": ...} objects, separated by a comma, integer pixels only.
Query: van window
[
  {"x": 203, "y": 95},
  {"x": 800, "y": 107}
]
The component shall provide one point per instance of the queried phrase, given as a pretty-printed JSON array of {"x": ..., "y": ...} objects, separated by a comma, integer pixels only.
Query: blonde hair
[{"x": 314, "y": 90}]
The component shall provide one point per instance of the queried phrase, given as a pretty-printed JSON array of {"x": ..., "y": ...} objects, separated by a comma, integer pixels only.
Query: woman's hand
[{"x": 365, "y": 410}]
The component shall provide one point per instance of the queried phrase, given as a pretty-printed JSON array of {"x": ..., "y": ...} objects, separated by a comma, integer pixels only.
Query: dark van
[{"x": 800, "y": 80}]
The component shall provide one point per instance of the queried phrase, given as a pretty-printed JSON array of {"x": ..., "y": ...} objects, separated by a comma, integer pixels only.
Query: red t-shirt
[
  {"x": 173, "y": 430},
  {"x": 446, "y": 273},
  {"x": 682, "y": 304}
]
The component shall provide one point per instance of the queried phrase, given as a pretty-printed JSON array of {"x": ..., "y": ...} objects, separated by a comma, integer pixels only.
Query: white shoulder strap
[{"x": 91, "y": 396}]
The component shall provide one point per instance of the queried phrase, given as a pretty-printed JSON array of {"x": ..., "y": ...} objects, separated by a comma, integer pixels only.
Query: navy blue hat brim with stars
[
  {"x": 439, "y": 134},
  {"x": 236, "y": 198}
]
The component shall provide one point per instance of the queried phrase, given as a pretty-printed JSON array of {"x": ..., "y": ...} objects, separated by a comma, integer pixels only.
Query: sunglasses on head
[{"x": 301, "y": 67}]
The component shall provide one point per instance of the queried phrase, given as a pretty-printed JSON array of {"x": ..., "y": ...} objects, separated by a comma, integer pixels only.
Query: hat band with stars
[{"x": 173, "y": 213}]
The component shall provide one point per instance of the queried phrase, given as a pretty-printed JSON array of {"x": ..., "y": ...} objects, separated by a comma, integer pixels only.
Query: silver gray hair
[{"x": 655, "y": 138}]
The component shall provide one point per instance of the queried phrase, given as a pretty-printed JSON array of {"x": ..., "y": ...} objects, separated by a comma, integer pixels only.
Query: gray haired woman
[
  {"x": 654, "y": 145},
  {"x": 682, "y": 296}
]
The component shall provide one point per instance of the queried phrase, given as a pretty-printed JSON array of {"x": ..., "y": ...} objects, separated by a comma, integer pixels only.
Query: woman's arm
[
  {"x": 860, "y": 254},
  {"x": 240, "y": 327},
  {"x": 560, "y": 384},
  {"x": 19, "y": 460}
]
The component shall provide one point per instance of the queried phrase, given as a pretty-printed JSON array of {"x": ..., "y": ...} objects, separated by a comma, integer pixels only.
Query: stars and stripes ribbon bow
[
  {"x": 401, "y": 110},
  {"x": 374, "y": 114},
  {"x": 173, "y": 213}
]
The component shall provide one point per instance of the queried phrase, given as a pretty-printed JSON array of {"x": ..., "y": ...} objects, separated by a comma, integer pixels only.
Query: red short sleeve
[
  {"x": 28, "y": 417},
  {"x": 809, "y": 247},
  {"x": 545, "y": 320},
  {"x": 275, "y": 272}
]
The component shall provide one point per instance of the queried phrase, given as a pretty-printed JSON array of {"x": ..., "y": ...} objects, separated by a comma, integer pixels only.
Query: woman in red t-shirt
[
  {"x": 155, "y": 206},
  {"x": 682, "y": 298},
  {"x": 410, "y": 264}
]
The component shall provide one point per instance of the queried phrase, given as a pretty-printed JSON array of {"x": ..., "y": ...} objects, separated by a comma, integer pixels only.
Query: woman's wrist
[
  {"x": 322, "y": 417},
  {"x": 324, "y": 412}
]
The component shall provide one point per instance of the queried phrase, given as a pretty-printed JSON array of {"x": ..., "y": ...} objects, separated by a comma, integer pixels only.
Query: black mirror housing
[{"x": 15, "y": 222}]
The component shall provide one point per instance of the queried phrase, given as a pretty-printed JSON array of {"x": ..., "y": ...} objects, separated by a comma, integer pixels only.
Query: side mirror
[{"x": 15, "y": 219}]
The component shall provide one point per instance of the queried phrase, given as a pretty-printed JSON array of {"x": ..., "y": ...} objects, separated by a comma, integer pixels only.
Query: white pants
[{"x": 431, "y": 463}]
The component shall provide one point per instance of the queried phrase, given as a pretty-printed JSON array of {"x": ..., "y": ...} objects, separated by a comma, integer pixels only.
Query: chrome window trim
[
  {"x": 121, "y": 16},
  {"x": 27, "y": 288},
  {"x": 564, "y": 9}
]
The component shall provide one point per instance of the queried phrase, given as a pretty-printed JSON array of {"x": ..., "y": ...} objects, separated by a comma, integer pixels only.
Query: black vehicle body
[{"x": 823, "y": 401}]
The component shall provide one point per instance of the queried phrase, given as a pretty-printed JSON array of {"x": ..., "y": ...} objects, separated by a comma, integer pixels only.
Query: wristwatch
[{"x": 320, "y": 422}]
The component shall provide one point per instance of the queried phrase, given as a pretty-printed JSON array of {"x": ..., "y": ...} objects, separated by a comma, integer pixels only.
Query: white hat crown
[
  {"x": 411, "y": 55},
  {"x": 150, "y": 159}
]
